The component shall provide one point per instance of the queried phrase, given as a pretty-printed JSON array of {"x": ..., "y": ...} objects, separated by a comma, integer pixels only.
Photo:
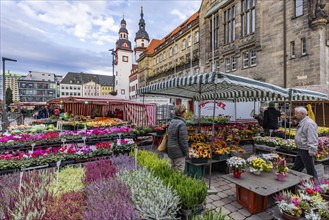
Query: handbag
[{"x": 163, "y": 145}]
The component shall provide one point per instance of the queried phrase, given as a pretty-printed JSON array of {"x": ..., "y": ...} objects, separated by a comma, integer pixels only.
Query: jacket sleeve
[
  {"x": 265, "y": 121},
  {"x": 183, "y": 138},
  {"x": 312, "y": 137}
]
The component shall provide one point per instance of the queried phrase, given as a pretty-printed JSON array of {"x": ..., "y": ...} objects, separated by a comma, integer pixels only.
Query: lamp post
[
  {"x": 113, "y": 52},
  {"x": 5, "y": 121}
]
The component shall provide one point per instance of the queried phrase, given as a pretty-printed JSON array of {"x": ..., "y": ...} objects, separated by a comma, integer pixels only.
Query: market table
[
  {"x": 252, "y": 191},
  {"x": 198, "y": 170}
]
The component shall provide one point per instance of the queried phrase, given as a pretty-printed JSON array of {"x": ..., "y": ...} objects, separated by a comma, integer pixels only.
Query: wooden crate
[{"x": 253, "y": 202}]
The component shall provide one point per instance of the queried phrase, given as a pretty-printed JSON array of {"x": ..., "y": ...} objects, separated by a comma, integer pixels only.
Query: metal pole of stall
[
  {"x": 324, "y": 115},
  {"x": 213, "y": 135}
]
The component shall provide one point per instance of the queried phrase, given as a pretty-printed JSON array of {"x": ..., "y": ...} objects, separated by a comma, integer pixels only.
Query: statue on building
[
  {"x": 317, "y": 9},
  {"x": 321, "y": 12}
]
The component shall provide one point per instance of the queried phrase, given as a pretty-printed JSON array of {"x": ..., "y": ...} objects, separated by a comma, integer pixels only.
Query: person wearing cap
[
  {"x": 271, "y": 118},
  {"x": 306, "y": 140},
  {"x": 177, "y": 145}
]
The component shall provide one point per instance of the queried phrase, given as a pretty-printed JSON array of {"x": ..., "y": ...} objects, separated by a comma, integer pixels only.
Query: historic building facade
[
  {"x": 177, "y": 54},
  {"x": 281, "y": 42}
]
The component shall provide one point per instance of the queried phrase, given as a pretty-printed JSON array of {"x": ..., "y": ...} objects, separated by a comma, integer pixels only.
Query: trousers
[{"x": 304, "y": 160}]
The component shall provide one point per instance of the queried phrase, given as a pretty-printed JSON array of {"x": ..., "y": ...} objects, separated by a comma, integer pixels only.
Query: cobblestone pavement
[{"x": 226, "y": 201}]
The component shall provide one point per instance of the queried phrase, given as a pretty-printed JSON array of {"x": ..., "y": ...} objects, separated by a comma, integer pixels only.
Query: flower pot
[
  {"x": 160, "y": 132},
  {"x": 288, "y": 216},
  {"x": 237, "y": 174},
  {"x": 199, "y": 160},
  {"x": 281, "y": 177},
  {"x": 185, "y": 213}
]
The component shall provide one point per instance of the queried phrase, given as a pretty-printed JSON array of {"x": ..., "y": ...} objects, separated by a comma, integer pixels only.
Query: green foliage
[
  {"x": 9, "y": 96},
  {"x": 69, "y": 180},
  {"x": 192, "y": 192},
  {"x": 212, "y": 215}
]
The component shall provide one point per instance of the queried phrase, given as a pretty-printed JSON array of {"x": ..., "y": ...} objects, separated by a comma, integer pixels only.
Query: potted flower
[
  {"x": 256, "y": 164},
  {"x": 282, "y": 169},
  {"x": 288, "y": 205},
  {"x": 237, "y": 165},
  {"x": 199, "y": 152}
]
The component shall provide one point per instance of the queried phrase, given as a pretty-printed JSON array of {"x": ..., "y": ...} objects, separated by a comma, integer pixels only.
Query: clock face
[{"x": 124, "y": 58}]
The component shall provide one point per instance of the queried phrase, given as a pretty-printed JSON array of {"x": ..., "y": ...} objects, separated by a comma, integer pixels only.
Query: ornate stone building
[
  {"x": 281, "y": 42},
  {"x": 176, "y": 54}
]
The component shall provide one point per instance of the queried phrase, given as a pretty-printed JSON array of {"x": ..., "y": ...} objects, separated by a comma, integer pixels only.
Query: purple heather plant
[
  {"x": 101, "y": 169},
  {"x": 28, "y": 203},
  {"x": 124, "y": 162},
  {"x": 8, "y": 185},
  {"x": 109, "y": 199}
]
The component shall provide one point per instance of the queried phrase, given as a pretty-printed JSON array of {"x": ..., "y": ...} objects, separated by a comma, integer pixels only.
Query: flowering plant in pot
[
  {"x": 282, "y": 169},
  {"x": 256, "y": 164},
  {"x": 237, "y": 165}
]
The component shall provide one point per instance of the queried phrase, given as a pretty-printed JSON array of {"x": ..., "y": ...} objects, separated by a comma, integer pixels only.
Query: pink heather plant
[
  {"x": 101, "y": 169},
  {"x": 124, "y": 162}
]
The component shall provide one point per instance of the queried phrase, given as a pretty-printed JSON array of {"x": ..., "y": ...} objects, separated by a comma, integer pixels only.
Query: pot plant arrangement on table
[
  {"x": 305, "y": 203},
  {"x": 256, "y": 165},
  {"x": 199, "y": 152},
  {"x": 237, "y": 165}
]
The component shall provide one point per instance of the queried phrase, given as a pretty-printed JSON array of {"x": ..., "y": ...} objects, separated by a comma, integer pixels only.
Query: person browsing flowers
[
  {"x": 306, "y": 140},
  {"x": 177, "y": 146}
]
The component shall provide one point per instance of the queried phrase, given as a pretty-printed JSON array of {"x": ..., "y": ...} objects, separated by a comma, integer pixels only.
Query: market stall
[{"x": 138, "y": 113}]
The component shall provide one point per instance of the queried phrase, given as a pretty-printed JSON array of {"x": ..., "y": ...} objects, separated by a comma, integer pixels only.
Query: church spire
[{"x": 141, "y": 33}]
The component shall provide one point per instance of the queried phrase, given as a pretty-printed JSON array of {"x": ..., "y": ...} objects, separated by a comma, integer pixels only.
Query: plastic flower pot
[
  {"x": 280, "y": 176},
  {"x": 237, "y": 174}
]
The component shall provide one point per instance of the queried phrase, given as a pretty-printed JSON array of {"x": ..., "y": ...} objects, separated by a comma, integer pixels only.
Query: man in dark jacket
[
  {"x": 177, "y": 146},
  {"x": 271, "y": 118}
]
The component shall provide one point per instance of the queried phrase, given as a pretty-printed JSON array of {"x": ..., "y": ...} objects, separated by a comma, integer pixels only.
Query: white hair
[{"x": 301, "y": 109}]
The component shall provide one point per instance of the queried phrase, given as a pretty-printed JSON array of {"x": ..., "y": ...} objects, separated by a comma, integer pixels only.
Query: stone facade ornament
[{"x": 321, "y": 12}]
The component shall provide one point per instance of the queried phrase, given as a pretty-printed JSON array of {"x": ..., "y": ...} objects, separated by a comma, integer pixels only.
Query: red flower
[{"x": 309, "y": 191}]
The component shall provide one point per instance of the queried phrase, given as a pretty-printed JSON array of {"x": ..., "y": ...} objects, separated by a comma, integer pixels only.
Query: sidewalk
[{"x": 225, "y": 199}]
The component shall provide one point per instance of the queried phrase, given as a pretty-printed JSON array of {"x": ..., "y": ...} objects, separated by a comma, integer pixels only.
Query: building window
[
  {"x": 78, "y": 93},
  {"x": 184, "y": 44},
  {"x": 122, "y": 91},
  {"x": 197, "y": 37},
  {"x": 298, "y": 8},
  {"x": 234, "y": 63},
  {"x": 292, "y": 49},
  {"x": 303, "y": 41},
  {"x": 229, "y": 25},
  {"x": 175, "y": 49},
  {"x": 253, "y": 58},
  {"x": 189, "y": 40},
  {"x": 248, "y": 17},
  {"x": 249, "y": 58},
  {"x": 62, "y": 87},
  {"x": 67, "y": 93},
  {"x": 63, "y": 93},
  {"x": 170, "y": 52},
  {"x": 228, "y": 64}
]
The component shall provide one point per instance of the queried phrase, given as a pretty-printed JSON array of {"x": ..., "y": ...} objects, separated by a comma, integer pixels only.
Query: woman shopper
[{"x": 177, "y": 146}]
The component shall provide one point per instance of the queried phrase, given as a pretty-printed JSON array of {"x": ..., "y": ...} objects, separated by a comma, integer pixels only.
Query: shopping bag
[{"x": 163, "y": 145}]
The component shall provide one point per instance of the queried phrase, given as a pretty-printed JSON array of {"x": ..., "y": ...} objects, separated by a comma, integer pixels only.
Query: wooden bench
[{"x": 252, "y": 191}]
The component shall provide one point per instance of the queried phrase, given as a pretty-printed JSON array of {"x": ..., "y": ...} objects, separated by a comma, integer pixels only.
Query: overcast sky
[{"x": 59, "y": 36}]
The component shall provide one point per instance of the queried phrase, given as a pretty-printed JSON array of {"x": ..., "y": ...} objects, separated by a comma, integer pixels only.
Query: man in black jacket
[{"x": 271, "y": 118}]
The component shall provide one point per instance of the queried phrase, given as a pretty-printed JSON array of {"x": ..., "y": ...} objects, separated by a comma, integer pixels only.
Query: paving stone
[
  {"x": 254, "y": 217},
  {"x": 237, "y": 216},
  {"x": 230, "y": 207},
  {"x": 236, "y": 204},
  {"x": 209, "y": 200},
  {"x": 265, "y": 215},
  {"x": 222, "y": 195},
  {"x": 229, "y": 192},
  {"x": 227, "y": 200},
  {"x": 226, "y": 187},
  {"x": 224, "y": 210},
  {"x": 218, "y": 203},
  {"x": 210, "y": 206},
  {"x": 214, "y": 197},
  {"x": 244, "y": 212}
]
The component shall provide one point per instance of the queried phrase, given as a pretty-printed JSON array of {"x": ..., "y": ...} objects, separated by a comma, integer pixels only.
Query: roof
[
  {"x": 154, "y": 43},
  {"x": 80, "y": 78},
  {"x": 223, "y": 86},
  {"x": 121, "y": 42},
  {"x": 102, "y": 99}
]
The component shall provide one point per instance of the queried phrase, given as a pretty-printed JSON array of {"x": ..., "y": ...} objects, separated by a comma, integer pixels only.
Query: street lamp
[
  {"x": 5, "y": 121},
  {"x": 113, "y": 52}
]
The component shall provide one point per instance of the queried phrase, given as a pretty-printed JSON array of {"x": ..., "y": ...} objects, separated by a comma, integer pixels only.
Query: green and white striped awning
[
  {"x": 216, "y": 85},
  {"x": 296, "y": 94}
]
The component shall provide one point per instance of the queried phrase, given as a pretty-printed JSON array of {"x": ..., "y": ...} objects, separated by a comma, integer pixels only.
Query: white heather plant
[{"x": 153, "y": 200}]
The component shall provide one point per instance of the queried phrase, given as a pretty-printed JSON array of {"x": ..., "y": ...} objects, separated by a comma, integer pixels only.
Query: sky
[{"x": 59, "y": 36}]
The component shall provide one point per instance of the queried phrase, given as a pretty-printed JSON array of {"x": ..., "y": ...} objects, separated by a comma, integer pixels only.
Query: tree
[{"x": 9, "y": 96}]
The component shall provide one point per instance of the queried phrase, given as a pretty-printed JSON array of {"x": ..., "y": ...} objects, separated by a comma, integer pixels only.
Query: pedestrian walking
[
  {"x": 306, "y": 140},
  {"x": 177, "y": 146},
  {"x": 271, "y": 118}
]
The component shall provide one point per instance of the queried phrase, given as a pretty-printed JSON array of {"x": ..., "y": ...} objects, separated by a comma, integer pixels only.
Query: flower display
[
  {"x": 256, "y": 164},
  {"x": 199, "y": 150},
  {"x": 237, "y": 163}
]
